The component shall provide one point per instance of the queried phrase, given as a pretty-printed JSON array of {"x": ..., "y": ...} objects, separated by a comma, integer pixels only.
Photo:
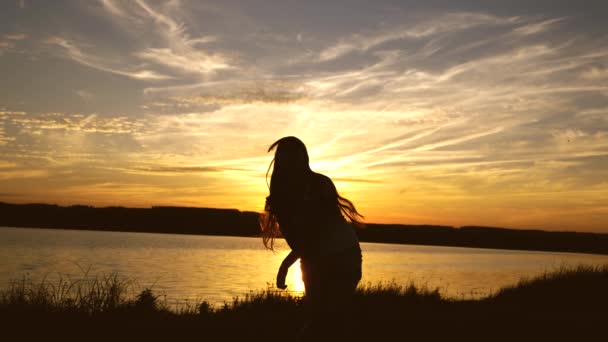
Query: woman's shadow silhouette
[{"x": 318, "y": 225}]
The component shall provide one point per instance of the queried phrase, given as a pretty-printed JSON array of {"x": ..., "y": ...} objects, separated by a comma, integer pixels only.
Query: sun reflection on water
[{"x": 294, "y": 279}]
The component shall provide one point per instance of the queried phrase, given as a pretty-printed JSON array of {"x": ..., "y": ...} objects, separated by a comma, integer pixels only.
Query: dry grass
[{"x": 569, "y": 302}]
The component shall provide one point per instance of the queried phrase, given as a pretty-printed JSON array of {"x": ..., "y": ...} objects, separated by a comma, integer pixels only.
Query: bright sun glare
[{"x": 294, "y": 278}]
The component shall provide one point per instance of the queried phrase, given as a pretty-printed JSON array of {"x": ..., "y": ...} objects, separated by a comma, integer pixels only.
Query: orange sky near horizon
[{"x": 447, "y": 113}]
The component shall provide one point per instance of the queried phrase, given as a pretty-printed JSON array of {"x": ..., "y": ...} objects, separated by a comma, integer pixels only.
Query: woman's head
[
  {"x": 289, "y": 170},
  {"x": 290, "y": 157}
]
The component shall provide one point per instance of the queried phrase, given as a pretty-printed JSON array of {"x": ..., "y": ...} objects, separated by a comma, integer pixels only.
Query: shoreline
[
  {"x": 232, "y": 222},
  {"x": 257, "y": 237}
]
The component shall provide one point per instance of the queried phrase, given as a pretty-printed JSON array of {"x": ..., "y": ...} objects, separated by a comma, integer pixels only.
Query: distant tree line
[
  {"x": 210, "y": 221},
  {"x": 487, "y": 237},
  {"x": 176, "y": 220}
]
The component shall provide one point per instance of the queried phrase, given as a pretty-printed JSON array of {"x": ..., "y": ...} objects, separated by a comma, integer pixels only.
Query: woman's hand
[{"x": 281, "y": 275}]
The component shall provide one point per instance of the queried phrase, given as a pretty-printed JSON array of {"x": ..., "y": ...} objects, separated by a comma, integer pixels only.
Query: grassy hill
[{"x": 569, "y": 304}]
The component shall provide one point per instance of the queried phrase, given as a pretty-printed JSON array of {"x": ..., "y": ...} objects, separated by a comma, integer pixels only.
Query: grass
[
  {"x": 87, "y": 295},
  {"x": 566, "y": 303}
]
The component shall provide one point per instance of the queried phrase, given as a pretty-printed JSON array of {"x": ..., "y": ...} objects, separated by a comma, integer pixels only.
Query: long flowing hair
[{"x": 290, "y": 167}]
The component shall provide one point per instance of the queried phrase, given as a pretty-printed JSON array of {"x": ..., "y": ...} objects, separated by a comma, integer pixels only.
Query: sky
[{"x": 446, "y": 112}]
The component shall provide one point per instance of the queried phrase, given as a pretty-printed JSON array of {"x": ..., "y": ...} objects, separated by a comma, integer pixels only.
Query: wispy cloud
[
  {"x": 113, "y": 8},
  {"x": 246, "y": 93},
  {"x": 85, "y": 95},
  {"x": 173, "y": 170},
  {"x": 9, "y": 41},
  {"x": 195, "y": 62},
  {"x": 15, "y": 36},
  {"x": 91, "y": 60},
  {"x": 537, "y": 27},
  {"x": 179, "y": 52},
  {"x": 4, "y": 139},
  {"x": 22, "y": 174},
  {"x": 595, "y": 73},
  {"x": 448, "y": 23},
  {"x": 89, "y": 123}
]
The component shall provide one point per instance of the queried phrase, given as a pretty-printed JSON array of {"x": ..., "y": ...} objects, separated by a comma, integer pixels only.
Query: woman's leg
[
  {"x": 338, "y": 289},
  {"x": 330, "y": 284},
  {"x": 311, "y": 276}
]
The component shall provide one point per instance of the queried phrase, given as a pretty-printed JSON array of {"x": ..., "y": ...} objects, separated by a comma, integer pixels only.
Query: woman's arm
[{"x": 289, "y": 260}]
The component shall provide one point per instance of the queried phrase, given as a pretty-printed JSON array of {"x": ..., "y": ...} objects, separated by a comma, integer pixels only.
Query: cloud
[
  {"x": 88, "y": 123},
  {"x": 22, "y": 174},
  {"x": 6, "y": 116},
  {"x": 178, "y": 51},
  {"x": 191, "y": 61},
  {"x": 174, "y": 28},
  {"x": 10, "y": 113},
  {"x": 15, "y": 36},
  {"x": 85, "y": 95},
  {"x": 246, "y": 94},
  {"x": 5, "y": 164},
  {"x": 356, "y": 180},
  {"x": 181, "y": 171},
  {"x": 93, "y": 61},
  {"x": 539, "y": 27},
  {"x": 172, "y": 170},
  {"x": 3, "y": 138},
  {"x": 6, "y": 46},
  {"x": 446, "y": 23},
  {"x": 113, "y": 8},
  {"x": 595, "y": 73}
]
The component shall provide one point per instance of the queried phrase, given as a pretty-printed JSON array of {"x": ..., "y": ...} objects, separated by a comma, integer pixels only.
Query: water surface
[{"x": 216, "y": 269}]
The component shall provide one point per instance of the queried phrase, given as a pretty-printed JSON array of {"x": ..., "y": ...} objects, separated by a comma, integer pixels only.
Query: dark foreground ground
[{"x": 567, "y": 305}]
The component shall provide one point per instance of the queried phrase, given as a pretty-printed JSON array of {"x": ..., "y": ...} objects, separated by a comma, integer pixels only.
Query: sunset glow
[
  {"x": 294, "y": 281},
  {"x": 421, "y": 114}
]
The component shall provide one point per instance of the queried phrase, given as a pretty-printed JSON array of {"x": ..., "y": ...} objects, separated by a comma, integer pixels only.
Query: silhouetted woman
[{"x": 306, "y": 209}]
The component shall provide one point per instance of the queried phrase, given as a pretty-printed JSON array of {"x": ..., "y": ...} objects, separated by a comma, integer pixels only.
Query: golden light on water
[{"x": 294, "y": 278}]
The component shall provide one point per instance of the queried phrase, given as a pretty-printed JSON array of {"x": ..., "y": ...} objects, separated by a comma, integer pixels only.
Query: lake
[{"x": 186, "y": 268}]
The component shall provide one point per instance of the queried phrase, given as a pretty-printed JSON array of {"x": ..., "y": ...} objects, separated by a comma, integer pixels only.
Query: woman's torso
[{"x": 311, "y": 221}]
